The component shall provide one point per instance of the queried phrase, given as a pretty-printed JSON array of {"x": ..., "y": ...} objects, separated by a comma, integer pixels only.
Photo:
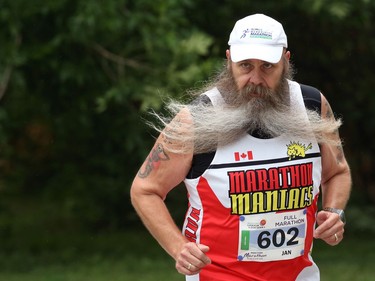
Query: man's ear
[
  {"x": 229, "y": 61},
  {"x": 227, "y": 53},
  {"x": 287, "y": 55}
]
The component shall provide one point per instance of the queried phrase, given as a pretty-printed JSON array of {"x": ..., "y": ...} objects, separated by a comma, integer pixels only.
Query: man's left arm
[{"x": 336, "y": 185}]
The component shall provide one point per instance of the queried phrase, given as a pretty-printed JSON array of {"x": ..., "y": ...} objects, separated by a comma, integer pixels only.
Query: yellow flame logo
[{"x": 296, "y": 149}]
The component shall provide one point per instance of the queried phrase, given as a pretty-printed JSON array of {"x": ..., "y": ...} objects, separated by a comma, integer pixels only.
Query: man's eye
[
  {"x": 245, "y": 65},
  {"x": 268, "y": 65}
]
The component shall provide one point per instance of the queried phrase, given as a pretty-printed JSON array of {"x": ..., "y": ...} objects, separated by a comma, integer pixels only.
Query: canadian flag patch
[{"x": 243, "y": 156}]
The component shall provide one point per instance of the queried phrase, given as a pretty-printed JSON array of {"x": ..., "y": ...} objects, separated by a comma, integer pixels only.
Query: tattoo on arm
[
  {"x": 153, "y": 161},
  {"x": 340, "y": 154}
]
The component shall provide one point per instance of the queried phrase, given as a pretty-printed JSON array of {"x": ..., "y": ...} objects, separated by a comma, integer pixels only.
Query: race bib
[{"x": 272, "y": 236}]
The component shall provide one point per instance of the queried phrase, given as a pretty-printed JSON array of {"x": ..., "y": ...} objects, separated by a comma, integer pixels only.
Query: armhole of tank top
[
  {"x": 312, "y": 98},
  {"x": 200, "y": 161}
]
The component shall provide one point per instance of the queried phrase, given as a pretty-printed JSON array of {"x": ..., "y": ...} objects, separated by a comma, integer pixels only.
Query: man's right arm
[{"x": 160, "y": 173}]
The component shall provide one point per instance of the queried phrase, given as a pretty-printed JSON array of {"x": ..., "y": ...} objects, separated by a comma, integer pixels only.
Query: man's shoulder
[
  {"x": 311, "y": 97},
  {"x": 310, "y": 91},
  {"x": 211, "y": 96}
]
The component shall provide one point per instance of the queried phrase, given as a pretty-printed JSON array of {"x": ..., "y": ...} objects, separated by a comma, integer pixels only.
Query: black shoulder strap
[
  {"x": 201, "y": 99},
  {"x": 311, "y": 98}
]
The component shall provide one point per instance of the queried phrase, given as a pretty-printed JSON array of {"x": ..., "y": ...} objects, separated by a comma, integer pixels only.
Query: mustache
[
  {"x": 261, "y": 95},
  {"x": 256, "y": 91}
]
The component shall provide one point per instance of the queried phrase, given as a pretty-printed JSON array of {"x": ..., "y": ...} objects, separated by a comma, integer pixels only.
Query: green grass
[
  {"x": 131, "y": 256},
  {"x": 98, "y": 268},
  {"x": 351, "y": 260},
  {"x": 135, "y": 256}
]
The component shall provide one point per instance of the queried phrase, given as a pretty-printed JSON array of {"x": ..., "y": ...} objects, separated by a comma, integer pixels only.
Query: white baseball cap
[{"x": 257, "y": 37}]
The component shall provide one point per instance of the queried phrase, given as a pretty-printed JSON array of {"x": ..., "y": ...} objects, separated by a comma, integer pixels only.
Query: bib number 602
[{"x": 278, "y": 238}]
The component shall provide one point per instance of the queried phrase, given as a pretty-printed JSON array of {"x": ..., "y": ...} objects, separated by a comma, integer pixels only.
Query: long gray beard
[{"x": 252, "y": 109}]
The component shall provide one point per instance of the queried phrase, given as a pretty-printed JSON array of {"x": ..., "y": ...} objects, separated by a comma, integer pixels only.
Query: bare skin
[
  {"x": 163, "y": 170},
  {"x": 155, "y": 179},
  {"x": 335, "y": 185}
]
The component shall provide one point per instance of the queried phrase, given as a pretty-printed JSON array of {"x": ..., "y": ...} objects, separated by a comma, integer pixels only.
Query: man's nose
[{"x": 255, "y": 78}]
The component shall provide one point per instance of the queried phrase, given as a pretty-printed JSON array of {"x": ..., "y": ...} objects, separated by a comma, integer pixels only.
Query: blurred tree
[{"x": 77, "y": 76}]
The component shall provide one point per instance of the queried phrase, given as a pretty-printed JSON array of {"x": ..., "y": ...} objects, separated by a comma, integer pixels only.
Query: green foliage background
[{"x": 77, "y": 78}]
